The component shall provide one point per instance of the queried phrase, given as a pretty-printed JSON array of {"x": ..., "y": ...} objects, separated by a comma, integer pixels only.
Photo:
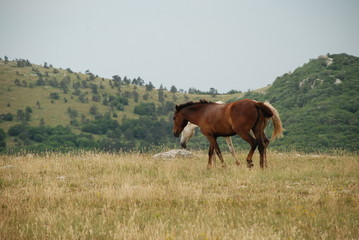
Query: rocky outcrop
[
  {"x": 174, "y": 153},
  {"x": 328, "y": 60}
]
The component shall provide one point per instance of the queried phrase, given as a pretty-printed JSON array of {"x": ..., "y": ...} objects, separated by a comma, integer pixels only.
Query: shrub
[{"x": 54, "y": 95}]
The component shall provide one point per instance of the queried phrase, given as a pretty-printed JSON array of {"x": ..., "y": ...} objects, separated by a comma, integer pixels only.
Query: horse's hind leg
[
  {"x": 266, "y": 143},
  {"x": 262, "y": 142}
]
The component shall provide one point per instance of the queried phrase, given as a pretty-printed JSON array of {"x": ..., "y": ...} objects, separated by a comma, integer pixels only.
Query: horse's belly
[{"x": 223, "y": 131}]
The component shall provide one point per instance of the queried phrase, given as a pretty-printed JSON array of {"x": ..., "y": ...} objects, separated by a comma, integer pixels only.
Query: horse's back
[
  {"x": 243, "y": 107},
  {"x": 243, "y": 114}
]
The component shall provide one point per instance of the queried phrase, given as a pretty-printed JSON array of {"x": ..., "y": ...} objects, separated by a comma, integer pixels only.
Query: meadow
[{"x": 134, "y": 196}]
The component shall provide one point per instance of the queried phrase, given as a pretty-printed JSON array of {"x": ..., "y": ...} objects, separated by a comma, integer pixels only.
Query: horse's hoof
[{"x": 250, "y": 165}]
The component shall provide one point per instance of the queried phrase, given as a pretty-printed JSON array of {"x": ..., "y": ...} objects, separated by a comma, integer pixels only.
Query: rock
[
  {"x": 174, "y": 154},
  {"x": 328, "y": 60},
  {"x": 7, "y": 166},
  {"x": 61, "y": 178},
  {"x": 337, "y": 81}
]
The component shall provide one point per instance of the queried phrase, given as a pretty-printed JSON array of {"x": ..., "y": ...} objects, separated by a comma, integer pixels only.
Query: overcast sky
[{"x": 222, "y": 44}]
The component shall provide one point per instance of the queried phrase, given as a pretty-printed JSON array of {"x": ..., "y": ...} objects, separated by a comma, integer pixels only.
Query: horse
[
  {"x": 189, "y": 131},
  {"x": 239, "y": 117}
]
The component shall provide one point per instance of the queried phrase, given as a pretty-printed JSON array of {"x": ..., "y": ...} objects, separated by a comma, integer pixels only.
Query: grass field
[{"x": 133, "y": 196}]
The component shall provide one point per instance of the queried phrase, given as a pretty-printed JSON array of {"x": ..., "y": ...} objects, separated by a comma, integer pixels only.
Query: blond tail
[{"x": 277, "y": 123}]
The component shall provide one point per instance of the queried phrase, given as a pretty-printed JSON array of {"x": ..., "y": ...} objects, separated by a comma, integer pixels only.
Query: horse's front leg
[
  {"x": 210, "y": 156},
  {"x": 214, "y": 144}
]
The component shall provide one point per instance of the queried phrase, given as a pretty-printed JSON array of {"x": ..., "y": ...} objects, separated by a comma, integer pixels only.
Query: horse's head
[
  {"x": 187, "y": 133},
  {"x": 179, "y": 122}
]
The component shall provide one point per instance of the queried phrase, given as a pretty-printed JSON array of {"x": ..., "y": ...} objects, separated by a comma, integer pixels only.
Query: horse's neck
[{"x": 193, "y": 114}]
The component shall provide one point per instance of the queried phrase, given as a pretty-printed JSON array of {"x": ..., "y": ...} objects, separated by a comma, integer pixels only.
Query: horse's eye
[{"x": 174, "y": 118}]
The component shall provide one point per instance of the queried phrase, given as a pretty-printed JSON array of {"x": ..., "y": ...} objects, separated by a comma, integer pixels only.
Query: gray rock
[
  {"x": 174, "y": 154},
  {"x": 7, "y": 166}
]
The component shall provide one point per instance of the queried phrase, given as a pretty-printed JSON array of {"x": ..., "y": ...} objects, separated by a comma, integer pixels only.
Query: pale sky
[{"x": 222, "y": 44}]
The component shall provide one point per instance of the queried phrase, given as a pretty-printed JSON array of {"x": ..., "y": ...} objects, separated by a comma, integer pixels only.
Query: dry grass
[{"x": 133, "y": 196}]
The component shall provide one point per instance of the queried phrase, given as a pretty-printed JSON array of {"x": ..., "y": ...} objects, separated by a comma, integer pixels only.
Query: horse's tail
[{"x": 270, "y": 112}]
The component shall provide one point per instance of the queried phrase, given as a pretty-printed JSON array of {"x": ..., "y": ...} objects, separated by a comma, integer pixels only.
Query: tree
[
  {"x": 138, "y": 81},
  {"x": 96, "y": 98},
  {"x": 117, "y": 80},
  {"x": 20, "y": 115},
  {"x": 135, "y": 96},
  {"x": 161, "y": 95},
  {"x": 54, "y": 95},
  {"x": 126, "y": 80},
  {"x": 2, "y": 140},
  {"x": 17, "y": 82},
  {"x": 94, "y": 88},
  {"x": 16, "y": 130},
  {"x": 38, "y": 104},
  {"x": 72, "y": 112},
  {"x": 7, "y": 117},
  {"x": 93, "y": 110},
  {"x": 173, "y": 89},
  {"x": 28, "y": 109},
  {"x": 64, "y": 84},
  {"x": 149, "y": 87},
  {"x": 82, "y": 98},
  {"x": 145, "y": 109},
  {"x": 233, "y": 91},
  {"x": 146, "y": 96},
  {"x": 27, "y": 116},
  {"x": 40, "y": 81},
  {"x": 213, "y": 92}
]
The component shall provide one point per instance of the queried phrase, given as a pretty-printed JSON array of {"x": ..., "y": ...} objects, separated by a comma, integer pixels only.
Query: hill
[
  {"x": 318, "y": 103},
  {"x": 44, "y": 108}
]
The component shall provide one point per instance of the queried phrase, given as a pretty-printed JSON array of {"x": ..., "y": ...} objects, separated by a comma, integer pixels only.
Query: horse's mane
[{"x": 187, "y": 104}]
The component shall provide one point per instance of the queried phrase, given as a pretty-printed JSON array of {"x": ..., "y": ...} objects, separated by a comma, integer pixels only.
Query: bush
[
  {"x": 2, "y": 140},
  {"x": 148, "y": 109},
  {"x": 16, "y": 130},
  {"x": 8, "y": 117},
  {"x": 54, "y": 95}
]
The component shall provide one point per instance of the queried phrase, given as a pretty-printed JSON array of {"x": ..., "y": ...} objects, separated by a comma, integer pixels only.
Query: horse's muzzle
[{"x": 176, "y": 134}]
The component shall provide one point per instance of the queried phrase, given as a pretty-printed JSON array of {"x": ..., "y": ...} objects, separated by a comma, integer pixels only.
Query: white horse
[{"x": 190, "y": 129}]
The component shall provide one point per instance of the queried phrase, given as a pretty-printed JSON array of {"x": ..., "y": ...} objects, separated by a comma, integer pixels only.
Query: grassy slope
[
  {"x": 317, "y": 112},
  {"x": 56, "y": 113},
  {"x": 132, "y": 196}
]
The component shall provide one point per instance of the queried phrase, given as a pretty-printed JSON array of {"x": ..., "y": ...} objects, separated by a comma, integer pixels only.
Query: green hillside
[
  {"x": 46, "y": 108},
  {"x": 318, "y": 103},
  {"x": 117, "y": 113}
]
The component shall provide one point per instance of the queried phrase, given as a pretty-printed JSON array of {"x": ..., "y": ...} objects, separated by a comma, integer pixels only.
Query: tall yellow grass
[{"x": 133, "y": 196}]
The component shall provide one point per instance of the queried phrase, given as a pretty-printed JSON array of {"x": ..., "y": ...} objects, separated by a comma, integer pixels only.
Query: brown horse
[{"x": 238, "y": 117}]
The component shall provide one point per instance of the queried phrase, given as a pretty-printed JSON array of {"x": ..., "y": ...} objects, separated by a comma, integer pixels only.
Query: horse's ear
[{"x": 176, "y": 107}]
